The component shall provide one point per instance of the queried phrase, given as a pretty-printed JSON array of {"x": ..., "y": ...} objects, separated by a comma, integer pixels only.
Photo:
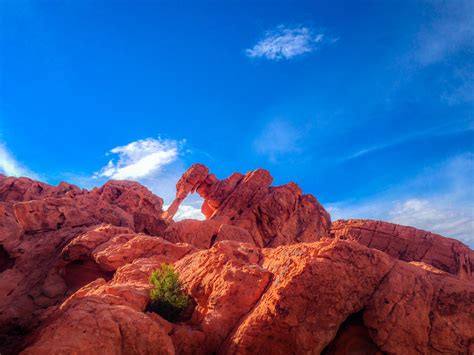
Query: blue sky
[{"x": 368, "y": 105}]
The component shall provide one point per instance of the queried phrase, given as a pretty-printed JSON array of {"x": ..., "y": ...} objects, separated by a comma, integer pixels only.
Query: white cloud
[
  {"x": 10, "y": 167},
  {"x": 279, "y": 137},
  {"x": 153, "y": 162},
  {"x": 446, "y": 220},
  {"x": 440, "y": 200},
  {"x": 190, "y": 208},
  {"x": 285, "y": 43},
  {"x": 141, "y": 159},
  {"x": 189, "y": 212}
]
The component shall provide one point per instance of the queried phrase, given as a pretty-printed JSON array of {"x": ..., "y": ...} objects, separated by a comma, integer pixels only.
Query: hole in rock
[
  {"x": 81, "y": 272},
  {"x": 190, "y": 208},
  {"x": 352, "y": 338},
  {"x": 6, "y": 262}
]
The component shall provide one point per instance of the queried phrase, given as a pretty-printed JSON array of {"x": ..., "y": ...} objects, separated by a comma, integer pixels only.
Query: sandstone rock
[
  {"x": 414, "y": 311},
  {"x": 101, "y": 320},
  {"x": 114, "y": 255},
  {"x": 28, "y": 285},
  {"x": 195, "y": 176},
  {"x": 108, "y": 317},
  {"x": 203, "y": 234},
  {"x": 24, "y": 189},
  {"x": 225, "y": 282},
  {"x": 230, "y": 232},
  {"x": 81, "y": 247},
  {"x": 135, "y": 199},
  {"x": 121, "y": 203},
  {"x": 10, "y": 229},
  {"x": 197, "y": 233},
  {"x": 300, "y": 298},
  {"x": 36, "y": 222},
  {"x": 263, "y": 272},
  {"x": 288, "y": 318},
  {"x": 111, "y": 247},
  {"x": 410, "y": 244},
  {"x": 273, "y": 215}
]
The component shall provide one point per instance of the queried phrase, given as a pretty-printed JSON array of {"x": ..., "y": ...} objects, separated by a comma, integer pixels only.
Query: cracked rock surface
[{"x": 267, "y": 272}]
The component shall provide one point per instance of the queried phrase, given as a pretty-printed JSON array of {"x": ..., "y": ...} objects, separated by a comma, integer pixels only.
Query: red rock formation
[
  {"x": 36, "y": 221},
  {"x": 103, "y": 319},
  {"x": 414, "y": 311},
  {"x": 294, "y": 320},
  {"x": 409, "y": 244},
  {"x": 273, "y": 215},
  {"x": 225, "y": 282},
  {"x": 24, "y": 189},
  {"x": 265, "y": 273},
  {"x": 308, "y": 297},
  {"x": 111, "y": 247},
  {"x": 203, "y": 234}
]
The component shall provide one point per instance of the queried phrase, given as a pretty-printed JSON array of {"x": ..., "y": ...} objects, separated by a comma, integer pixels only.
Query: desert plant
[{"x": 167, "y": 297}]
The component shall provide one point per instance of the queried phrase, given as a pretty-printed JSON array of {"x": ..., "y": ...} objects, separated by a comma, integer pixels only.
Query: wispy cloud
[
  {"x": 447, "y": 208},
  {"x": 286, "y": 43},
  {"x": 141, "y": 159},
  {"x": 444, "y": 40},
  {"x": 10, "y": 166},
  {"x": 442, "y": 130},
  {"x": 428, "y": 214},
  {"x": 277, "y": 139},
  {"x": 154, "y": 162},
  {"x": 460, "y": 89},
  {"x": 453, "y": 30}
]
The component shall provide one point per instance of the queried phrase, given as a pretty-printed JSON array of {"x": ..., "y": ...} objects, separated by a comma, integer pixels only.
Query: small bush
[{"x": 167, "y": 297}]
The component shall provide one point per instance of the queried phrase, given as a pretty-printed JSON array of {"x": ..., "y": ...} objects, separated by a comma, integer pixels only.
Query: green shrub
[{"x": 167, "y": 297}]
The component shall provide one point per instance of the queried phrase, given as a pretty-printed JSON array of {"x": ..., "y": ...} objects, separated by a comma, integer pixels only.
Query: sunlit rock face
[
  {"x": 273, "y": 215},
  {"x": 267, "y": 272}
]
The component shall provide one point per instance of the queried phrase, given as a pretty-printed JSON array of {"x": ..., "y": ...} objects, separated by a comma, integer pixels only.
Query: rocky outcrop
[
  {"x": 266, "y": 273},
  {"x": 103, "y": 319},
  {"x": 36, "y": 221},
  {"x": 301, "y": 298},
  {"x": 409, "y": 244},
  {"x": 415, "y": 311},
  {"x": 24, "y": 189},
  {"x": 203, "y": 234},
  {"x": 295, "y": 321},
  {"x": 111, "y": 247},
  {"x": 225, "y": 282},
  {"x": 273, "y": 215}
]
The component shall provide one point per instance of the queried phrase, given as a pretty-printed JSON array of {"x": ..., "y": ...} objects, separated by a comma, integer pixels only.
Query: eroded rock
[
  {"x": 272, "y": 215},
  {"x": 37, "y": 221},
  {"x": 410, "y": 244},
  {"x": 264, "y": 271}
]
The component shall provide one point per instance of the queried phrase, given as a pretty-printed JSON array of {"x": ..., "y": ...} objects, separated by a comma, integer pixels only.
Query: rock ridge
[{"x": 267, "y": 272}]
